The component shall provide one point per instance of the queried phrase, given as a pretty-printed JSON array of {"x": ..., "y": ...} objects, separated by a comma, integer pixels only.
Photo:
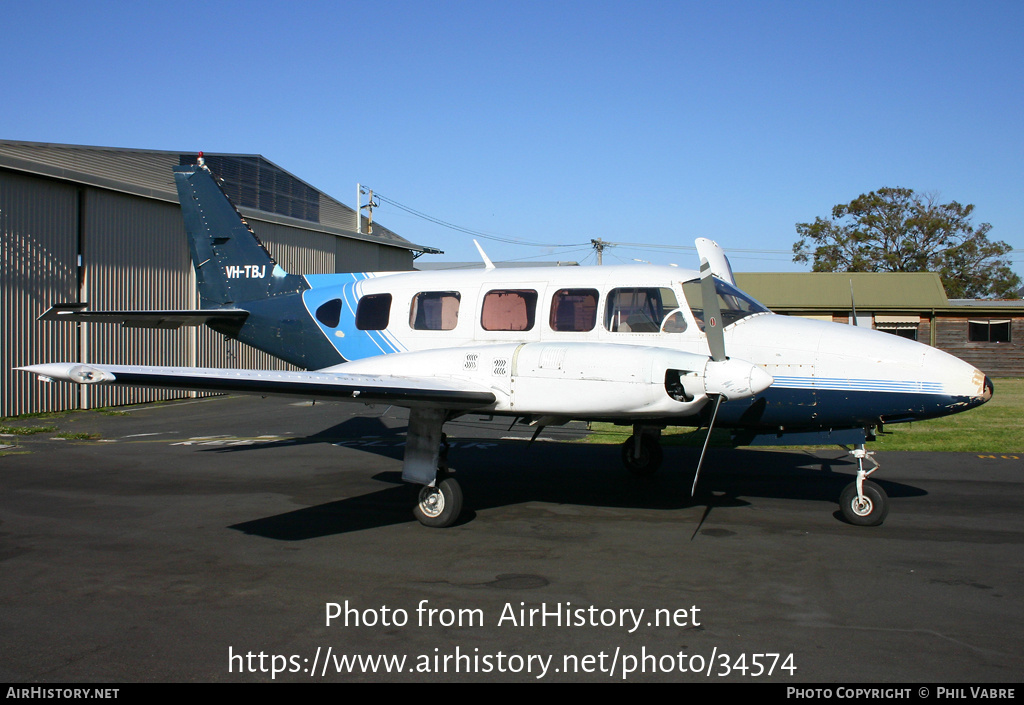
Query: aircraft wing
[
  {"x": 170, "y": 319},
  {"x": 366, "y": 388}
]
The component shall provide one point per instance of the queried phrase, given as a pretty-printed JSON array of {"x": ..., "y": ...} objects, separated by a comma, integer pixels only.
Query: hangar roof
[
  {"x": 827, "y": 291},
  {"x": 255, "y": 183}
]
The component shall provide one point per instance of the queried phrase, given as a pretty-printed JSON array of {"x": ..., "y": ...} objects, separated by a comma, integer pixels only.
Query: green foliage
[{"x": 897, "y": 230}]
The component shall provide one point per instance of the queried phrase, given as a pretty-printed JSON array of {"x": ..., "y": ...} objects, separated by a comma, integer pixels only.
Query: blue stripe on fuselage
[{"x": 347, "y": 339}]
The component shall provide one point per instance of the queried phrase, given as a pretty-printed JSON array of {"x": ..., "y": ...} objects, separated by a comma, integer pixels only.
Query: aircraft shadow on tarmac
[{"x": 495, "y": 473}]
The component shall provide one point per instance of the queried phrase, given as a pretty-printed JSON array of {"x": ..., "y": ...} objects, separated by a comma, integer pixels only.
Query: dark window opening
[
  {"x": 574, "y": 310},
  {"x": 509, "y": 310},
  {"x": 904, "y": 331},
  {"x": 329, "y": 313},
  {"x": 373, "y": 312},
  {"x": 988, "y": 331},
  {"x": 435, "y": 310}
]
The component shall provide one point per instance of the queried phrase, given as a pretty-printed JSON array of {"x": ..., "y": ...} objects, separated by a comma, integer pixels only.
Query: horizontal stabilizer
[
  {"x": 144, "y": 319},
  {"x": 400, "y": 391}
]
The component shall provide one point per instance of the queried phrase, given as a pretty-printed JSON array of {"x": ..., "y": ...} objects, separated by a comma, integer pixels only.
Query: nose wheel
[{"x": 864, "y": 503}]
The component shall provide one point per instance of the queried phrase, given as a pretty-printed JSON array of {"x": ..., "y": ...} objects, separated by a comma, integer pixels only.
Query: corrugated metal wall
[
  {"x": 134, "y": 256},
  {"x": 38, "y": 236}
]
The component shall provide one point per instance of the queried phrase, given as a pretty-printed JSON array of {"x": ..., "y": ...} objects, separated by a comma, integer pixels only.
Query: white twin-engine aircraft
[{"x": 637, "y": 345}]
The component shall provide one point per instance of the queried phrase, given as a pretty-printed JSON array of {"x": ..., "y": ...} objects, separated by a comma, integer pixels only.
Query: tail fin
[{"x": 232, "y": 265}]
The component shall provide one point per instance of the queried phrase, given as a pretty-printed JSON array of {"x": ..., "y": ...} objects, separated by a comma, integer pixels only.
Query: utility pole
[
  {"x": 359, "y": 210},
  {"x": 599, "y": 246}
]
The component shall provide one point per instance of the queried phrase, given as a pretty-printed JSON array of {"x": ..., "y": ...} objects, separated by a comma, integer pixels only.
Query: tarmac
[{"x": 234, "y": 539}]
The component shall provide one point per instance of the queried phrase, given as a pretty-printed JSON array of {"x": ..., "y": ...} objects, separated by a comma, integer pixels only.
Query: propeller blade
[
  {"x": 707, "y": 439},
  {"x": 715, "y": 255},
  {"x": 712, "y": 313}
]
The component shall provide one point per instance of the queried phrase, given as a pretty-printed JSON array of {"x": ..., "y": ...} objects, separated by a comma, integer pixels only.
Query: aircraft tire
[
  {"x": 650, "y": 456},
  {"x": 871, "y": 512},
  {"x": 439, "y": 506}
]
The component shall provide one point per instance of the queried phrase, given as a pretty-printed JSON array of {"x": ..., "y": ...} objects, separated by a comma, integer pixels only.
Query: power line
[{"x": 469, "y": 231}]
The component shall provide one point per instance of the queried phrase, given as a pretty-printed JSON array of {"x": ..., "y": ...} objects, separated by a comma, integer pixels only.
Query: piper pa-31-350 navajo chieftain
[{"x": 636, "y": 345}]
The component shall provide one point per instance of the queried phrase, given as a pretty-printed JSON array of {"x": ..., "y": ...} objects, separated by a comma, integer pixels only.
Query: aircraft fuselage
[{"x": 536, "y": 335}]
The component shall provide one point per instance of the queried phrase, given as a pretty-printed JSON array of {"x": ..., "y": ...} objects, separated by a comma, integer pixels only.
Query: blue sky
[{"x": 554, "y": 122}]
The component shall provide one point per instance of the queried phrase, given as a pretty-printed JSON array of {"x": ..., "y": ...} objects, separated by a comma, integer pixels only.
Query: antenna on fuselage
[
  {"x": 853, "y": 306},
  {"x": 488, "y": 264}
]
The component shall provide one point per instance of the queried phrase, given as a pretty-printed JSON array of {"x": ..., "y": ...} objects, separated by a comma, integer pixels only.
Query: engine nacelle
[{"x": 580, "y": 380}]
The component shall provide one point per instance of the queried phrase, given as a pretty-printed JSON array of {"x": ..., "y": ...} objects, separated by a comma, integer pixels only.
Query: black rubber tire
[
  {"x": 439, "y": 506},
  {"x": 650, "y": 456},
  {"x": 871, "y": 512}
]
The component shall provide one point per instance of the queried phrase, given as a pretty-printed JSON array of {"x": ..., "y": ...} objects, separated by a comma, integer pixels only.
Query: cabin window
[
  {"x": 574, "y": 310},
  {"x": 989, "y": 331},
  {"x": 638, "y": 310},
  {"x": 509, "y": 309},
  {"x": 329, "y": 313},
  {"x": 435, "y": 310},
  {"x": 373, "y": 312}
]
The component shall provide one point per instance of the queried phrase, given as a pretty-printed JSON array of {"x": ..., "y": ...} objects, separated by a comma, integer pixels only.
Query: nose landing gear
[{"x": 862, "y": 502}]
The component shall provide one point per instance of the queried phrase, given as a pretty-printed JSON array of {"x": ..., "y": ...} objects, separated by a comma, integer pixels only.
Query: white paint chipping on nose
[
  {"x": 735, "y": 379},
  {"x": 958, "y": 378}
]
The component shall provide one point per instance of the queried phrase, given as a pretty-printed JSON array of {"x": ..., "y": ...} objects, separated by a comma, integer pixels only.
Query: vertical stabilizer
[{"x": 232, "y": 265}]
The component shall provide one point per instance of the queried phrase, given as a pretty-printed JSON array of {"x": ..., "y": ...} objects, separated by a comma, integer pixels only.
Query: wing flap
[{"x": 400, "y": 391}]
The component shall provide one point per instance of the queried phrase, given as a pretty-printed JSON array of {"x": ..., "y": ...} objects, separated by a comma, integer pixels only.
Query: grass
[
  {"x": 78, "y": 436},
  {"x": 995, "y": 427},
  {"x": 26, "y": 430}
]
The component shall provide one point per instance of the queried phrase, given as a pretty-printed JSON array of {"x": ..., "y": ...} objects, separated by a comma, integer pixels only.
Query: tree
[{"x": 897, "y": 230}]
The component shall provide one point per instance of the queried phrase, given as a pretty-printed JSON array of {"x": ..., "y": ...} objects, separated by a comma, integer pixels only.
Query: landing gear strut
[
  {"x": 439, "y": 496},
  {"x": 641, "y": 453},
  {"x": 863, "y": 502}
]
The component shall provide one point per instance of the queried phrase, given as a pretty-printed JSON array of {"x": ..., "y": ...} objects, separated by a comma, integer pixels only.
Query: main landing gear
[
  {"x": 439, "y": 504},
  {"x": 439, "y": 497},
  {"x": 641, "y": 453},
  {"x": 863, "y": 502}
]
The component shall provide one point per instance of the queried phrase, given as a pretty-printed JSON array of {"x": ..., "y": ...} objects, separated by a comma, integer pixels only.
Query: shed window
[
  {"x": 903, "y": 326},
  {"x": 574, "y": 310},
  {"x": 373, "y": 312},
  {"x": 509, "y": 309},
  {"x": 989, "y": 331},
  {"x": 435, "y": 310}
]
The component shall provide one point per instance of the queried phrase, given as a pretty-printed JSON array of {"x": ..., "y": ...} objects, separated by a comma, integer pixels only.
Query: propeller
[
  {"x": 724, "y": 379},
  {"x": 716, "y": 344}
]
